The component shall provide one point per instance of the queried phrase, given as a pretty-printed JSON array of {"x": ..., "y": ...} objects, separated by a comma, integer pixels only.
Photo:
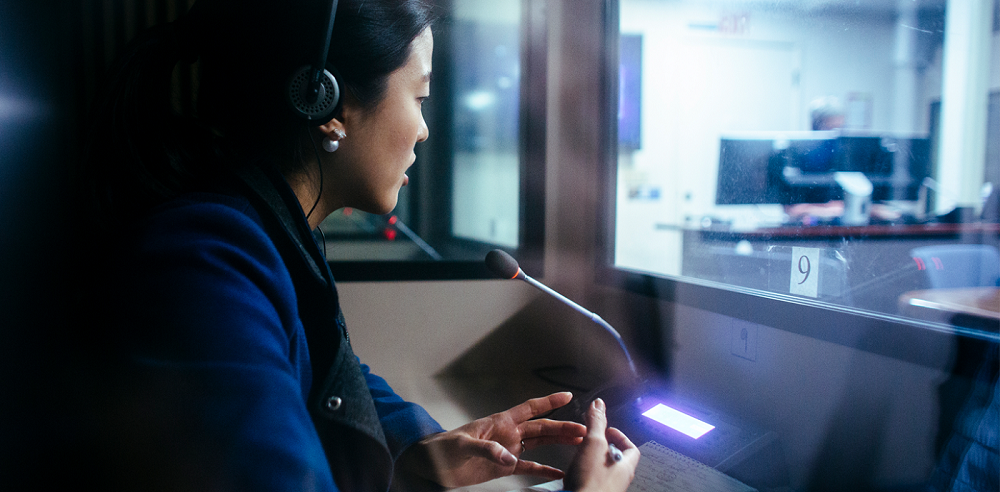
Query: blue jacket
[{"x": 239, "y": 362}]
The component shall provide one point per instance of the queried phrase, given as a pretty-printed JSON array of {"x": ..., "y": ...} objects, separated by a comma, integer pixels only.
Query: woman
[{"x": 229, "y": 365}]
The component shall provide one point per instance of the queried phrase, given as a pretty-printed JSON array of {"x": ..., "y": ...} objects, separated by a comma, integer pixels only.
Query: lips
[{"x": 406, "y": 179}]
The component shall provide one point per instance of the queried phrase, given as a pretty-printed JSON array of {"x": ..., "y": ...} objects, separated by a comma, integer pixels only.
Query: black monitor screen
[
  {"x": 743, "y": 171},
  {"x": 863, "y": 154},
  {"x": 915, "y": 155},
  {"x": 813, "y": 156},
  {"x": 800, "y": 170}
]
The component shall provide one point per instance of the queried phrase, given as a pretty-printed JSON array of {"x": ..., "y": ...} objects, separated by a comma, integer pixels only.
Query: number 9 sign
[{"x": 805, "y": 272}]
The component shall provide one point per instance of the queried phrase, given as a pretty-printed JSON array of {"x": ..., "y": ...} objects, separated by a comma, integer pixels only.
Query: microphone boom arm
[{"x": 593, "y": 317}]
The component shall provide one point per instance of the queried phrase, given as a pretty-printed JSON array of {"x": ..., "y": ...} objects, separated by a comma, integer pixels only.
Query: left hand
[{"x": 490, "y": 447}]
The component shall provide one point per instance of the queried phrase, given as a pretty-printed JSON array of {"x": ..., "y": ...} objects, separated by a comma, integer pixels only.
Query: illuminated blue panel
[{"x": 678, "y": 420}]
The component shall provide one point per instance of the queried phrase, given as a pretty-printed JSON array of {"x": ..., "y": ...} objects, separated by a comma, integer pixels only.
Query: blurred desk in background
[
  {"x": 873, "y": 264},
  {"x": 981, "y": 305},
  {"x": 886, "y": 231}
]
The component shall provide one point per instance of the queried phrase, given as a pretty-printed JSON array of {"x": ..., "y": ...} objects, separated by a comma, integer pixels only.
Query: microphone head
[{"x": 502, "y": 264}]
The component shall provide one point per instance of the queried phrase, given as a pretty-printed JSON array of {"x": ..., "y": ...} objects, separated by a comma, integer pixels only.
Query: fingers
[
  {"x": 618, "y": 438},
  {"x": 597, "y": 420},
  {"x": 549, "y": 440},
  {"x": 492, "y": 451},
  {"x": 630, "y": 453},
  {"x": 538, "y": 470},
  {"x": 538, "y": 406},
  {"x": 544, "y": 431},
  {"x": 595, "y": 466}
]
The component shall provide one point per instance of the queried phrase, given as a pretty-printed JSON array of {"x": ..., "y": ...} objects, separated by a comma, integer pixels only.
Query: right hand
[
  {"x": 490, "y": 447},
  {"x": 592, "y": 469}
]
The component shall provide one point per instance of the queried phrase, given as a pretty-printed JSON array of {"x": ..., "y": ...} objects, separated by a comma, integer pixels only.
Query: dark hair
[{"x": 143, "y": 151}]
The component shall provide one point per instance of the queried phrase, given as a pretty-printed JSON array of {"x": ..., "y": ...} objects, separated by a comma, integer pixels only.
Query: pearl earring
[{"x": 331, "y": 145}]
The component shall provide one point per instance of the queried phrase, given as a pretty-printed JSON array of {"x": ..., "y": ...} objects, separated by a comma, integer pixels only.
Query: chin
[
  {"x": 381, "y": 208},
  {"x": 377, "y": 205}
]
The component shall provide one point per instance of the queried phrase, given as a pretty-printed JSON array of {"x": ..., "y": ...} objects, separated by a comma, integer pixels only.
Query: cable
[
  {"x": 320, "y": 165},
  {"x": 322, "y": 236}
]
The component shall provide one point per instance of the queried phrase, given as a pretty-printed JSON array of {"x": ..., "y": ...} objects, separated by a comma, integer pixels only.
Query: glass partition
[
  {"x": 840, "y": 154},
  {"x": 813, "y": 186},
  {"x": 478, "y": 179}
]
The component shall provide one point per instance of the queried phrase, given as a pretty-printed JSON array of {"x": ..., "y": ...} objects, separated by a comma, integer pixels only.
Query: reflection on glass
[
  {"x": 487, "y": 84},
  {"x": 464, "y": 193},
  {"x": 858, "y": 140}
]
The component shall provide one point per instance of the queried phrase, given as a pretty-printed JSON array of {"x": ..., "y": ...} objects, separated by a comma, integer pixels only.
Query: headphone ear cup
[{"x": 325, "y": 106}]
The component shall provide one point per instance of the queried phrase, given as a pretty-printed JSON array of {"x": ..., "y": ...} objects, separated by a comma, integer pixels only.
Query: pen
[{"x": 614, "y": 452}]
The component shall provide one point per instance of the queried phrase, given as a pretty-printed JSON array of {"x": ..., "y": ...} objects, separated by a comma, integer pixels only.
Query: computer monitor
[
  {"x": 801, "y": 169},
  {"x": 786, "y": 169},
  {"x": 895, "y": 165},
  {"x": 864, "y": 154},
  {"x": 742, "y": 178},
  {"x": 752, "y": 168},
  {"x": 913, "y": 155}
]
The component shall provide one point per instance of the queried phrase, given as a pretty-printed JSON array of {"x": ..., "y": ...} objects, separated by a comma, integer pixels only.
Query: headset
[{"x": 314, "y": 90}]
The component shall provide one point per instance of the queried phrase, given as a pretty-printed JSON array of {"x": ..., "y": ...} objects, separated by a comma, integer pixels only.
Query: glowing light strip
[{"x": 679, "y": 421}]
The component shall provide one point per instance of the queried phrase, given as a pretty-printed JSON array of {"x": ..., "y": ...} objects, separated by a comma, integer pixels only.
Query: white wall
[{"x": 700, "y": 83}]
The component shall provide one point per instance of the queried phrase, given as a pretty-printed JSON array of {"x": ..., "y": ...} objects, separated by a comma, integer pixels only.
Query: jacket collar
[{"x": 272, "y": 191}]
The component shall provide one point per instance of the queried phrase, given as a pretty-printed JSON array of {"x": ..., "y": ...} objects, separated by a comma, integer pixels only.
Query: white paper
[
  {"x": 805, "y": 272},
  {"x": 661, "y": 468}
]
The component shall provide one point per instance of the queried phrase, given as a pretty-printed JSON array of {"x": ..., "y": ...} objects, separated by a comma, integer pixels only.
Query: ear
[{"x": 332, "y": 128}]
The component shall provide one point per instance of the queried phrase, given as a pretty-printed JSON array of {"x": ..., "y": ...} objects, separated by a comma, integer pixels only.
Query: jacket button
[{"x": 333, "y": 403}]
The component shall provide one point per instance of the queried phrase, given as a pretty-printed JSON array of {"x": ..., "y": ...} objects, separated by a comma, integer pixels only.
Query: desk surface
[{"x": 981, "y": 302}]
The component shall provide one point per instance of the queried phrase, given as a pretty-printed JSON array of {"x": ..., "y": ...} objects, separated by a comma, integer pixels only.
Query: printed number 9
[{"x": 804, "y": 268}]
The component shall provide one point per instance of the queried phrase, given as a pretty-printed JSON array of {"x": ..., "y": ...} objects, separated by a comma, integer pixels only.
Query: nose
[{"x": 423, "y": 132}]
